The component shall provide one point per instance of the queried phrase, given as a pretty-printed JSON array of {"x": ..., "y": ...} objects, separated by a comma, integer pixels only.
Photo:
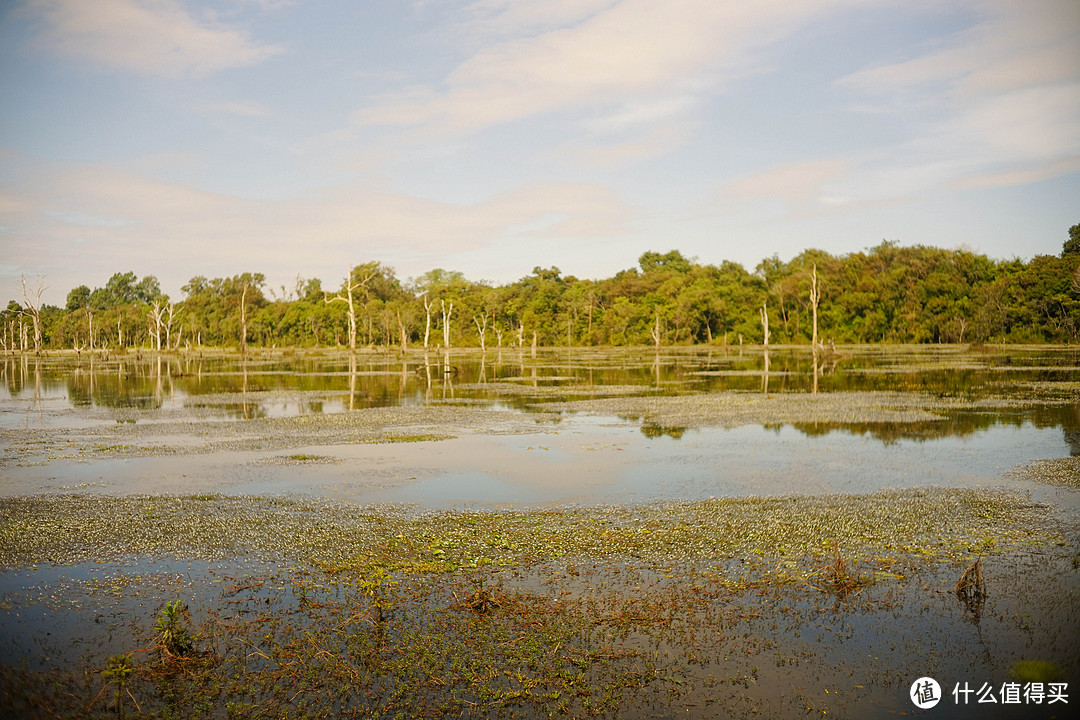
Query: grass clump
[
  {"x": 971, "y": 586},
  {"x": 840, "y": 578}
]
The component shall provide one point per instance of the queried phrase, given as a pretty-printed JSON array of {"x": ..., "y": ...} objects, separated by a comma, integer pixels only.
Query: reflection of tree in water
[
  {"x": 655, "y": 431},
  {"x": 958, "y": 424},
  {"x": 1071, "y": 422},
  {"x": 124, "y": 385},
  {"x": 15, "y": 375},
  {"x": 1072, "y": 437}
]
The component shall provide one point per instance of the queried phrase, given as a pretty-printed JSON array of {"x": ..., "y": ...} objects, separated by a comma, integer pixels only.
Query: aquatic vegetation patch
[
  {"x": 722, "y": 605},
  {"x": 566, "y": 639},
  {"x": 928, "y": 523},
  {"x": 408, "y": 437},
  {"x": 1057, "y": 471},
  {"x": 303, "y": 459}
]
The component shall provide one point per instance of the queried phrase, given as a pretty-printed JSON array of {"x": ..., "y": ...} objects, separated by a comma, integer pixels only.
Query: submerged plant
[
  {"x": 118, "y": 669},
  {"x": 971, "y": 590},
  {"x": 482, "y": 601},
  {"x": 840, "y": 578},
  {"x": 375, "y": 584},
  {"x": 174, "y": 638}
]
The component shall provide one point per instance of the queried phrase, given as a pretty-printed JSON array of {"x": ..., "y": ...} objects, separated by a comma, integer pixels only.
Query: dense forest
[{"x": 887, "y": 294}]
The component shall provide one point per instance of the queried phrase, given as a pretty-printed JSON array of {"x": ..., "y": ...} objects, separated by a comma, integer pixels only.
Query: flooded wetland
[{"x": 572, "y": 532}]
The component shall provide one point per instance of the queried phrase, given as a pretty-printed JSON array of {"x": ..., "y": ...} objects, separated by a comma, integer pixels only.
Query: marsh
[{"x": 663, "y": 523}]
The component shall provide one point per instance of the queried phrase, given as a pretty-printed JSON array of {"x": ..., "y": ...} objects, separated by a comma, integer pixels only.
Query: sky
[{"x": 298, "y": 138}]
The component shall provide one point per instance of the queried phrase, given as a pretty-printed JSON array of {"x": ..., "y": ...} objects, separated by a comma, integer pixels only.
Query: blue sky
[{"x": 182, "y": 137}]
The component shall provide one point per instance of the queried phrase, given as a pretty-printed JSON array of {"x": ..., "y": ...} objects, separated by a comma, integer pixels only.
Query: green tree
[
  {"x": 78, "y": 298},
  {"x": 1072, "y": 245}
]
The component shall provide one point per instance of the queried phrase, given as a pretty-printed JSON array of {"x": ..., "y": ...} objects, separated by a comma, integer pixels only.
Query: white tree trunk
[
  {"x": 446, "y": 321},
  {"x": 33, "y": 309},
  {"x": 764, "y": 313},
  {"x": 427, "y": 325},
  {"x": 481, "y": 322}
]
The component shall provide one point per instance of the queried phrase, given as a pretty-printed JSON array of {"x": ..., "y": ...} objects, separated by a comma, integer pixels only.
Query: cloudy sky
[{"x": 300, "y": 137}]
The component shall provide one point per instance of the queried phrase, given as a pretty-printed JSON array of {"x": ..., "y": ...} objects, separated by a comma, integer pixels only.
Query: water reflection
[
  {"x": 284, "y": 383},
  {"x": 765, "y": 372}
]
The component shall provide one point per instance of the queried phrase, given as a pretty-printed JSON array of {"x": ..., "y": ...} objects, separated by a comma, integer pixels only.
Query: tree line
[{"x": 886, "y": 294}]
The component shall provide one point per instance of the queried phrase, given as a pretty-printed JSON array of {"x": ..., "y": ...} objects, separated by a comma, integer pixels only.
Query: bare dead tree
[
  {"x": 157, "y": 315},
  {"x": 402, "y": 335},
  {"x": 654, "y": 331},
  {"x": 32, "y": 308},
  {"x": 764, "y": 313},
  {"x": 243, "y": 322},
  {"x": 815, "y": 297},
  {"x": 590, "y": 306},
  {"x": 481, "y": 322},
  {"x": 351, "y": 285},
  {"x": 446, "y": 321},
  {"x": 427, "y": 324},
  {"x": 168, "y": 326}
]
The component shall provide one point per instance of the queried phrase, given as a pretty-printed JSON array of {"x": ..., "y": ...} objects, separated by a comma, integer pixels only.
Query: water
[
  {"x": 284, "y": 383},
  {"x": 218, "y": 425},
  {"x": 1019, "y": 407}
]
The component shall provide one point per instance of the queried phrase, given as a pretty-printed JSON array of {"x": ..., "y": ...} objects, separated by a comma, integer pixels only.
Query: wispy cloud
[
  {"x": 242, "y": 108},
  {"x": 992, "y": 105},
  {"x": 557, "y": 56},
  {"x": 797, "y": 183},
  {"x": 1000, "y": 99},
  {"x": 100, "y": 216},
  {"x": 147, "y": 37}
]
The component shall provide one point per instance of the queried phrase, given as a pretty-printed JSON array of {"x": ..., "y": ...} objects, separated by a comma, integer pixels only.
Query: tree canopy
[{"x": 885, "y": 293}]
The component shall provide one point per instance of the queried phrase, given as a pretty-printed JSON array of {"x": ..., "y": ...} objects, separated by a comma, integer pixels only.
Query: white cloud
[
  {"x": 994, "y": 104},
  {"x": 1010, "y": 46},
  {"x": 103, "y": 218},
  {"x": 799, "y": 182},
  {"x": 241, "y": 108},
  {"x": 147, "y": 37},
  {"x": 499, "y": 19},
  {"x": 558, "y": 57},
  {"x": 650, "y": 142},
  {"x": 1000, "y": 99}
]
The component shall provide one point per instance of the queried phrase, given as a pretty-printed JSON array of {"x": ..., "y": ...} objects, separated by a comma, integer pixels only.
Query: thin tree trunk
[
  {"x": 427, "y": 325},
  {"x": 481, "y": 322},
  {"x": 764, "y": 313},
  {"x": 446, "y": 322},
  {"x": 401, "y": 331},
  {"x": 243, "y": 320}
]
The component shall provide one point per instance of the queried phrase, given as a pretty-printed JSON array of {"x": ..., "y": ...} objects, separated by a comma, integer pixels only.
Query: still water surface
[{"x": 1022, "y": 408}]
